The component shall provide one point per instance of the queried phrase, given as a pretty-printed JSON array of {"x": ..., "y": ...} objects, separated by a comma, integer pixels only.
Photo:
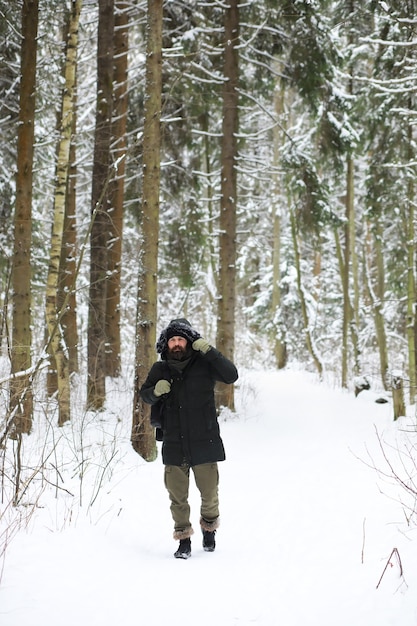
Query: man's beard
[{"x": 179, "y": 353}]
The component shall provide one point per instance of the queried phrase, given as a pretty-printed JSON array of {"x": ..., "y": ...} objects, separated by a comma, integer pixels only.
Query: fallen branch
[
  {"x": 363, "y": 538},
  {"x": 397, "y": 554}
]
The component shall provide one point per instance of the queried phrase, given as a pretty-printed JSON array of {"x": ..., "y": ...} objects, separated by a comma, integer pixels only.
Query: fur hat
[{"x": 176, "y": 328}]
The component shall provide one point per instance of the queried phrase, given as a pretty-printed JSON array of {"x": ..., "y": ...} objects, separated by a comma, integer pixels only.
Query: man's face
[{"x": 177, "y": 347}]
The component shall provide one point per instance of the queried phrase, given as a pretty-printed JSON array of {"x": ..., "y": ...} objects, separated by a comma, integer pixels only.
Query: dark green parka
[{"x": 187, "y": 415}]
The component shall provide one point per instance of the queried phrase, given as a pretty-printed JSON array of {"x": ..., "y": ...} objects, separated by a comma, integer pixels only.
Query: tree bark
[
  {"x": 143, "y": 437},
  {"x": 376, "y": 293},
  {"x": 67, "y": 301},
  {"x": 354, "y": 300},
  {"x": 53, "y": 314},
  {"x": 101, "y": 207},
  {"x": 397, "y": 386},
  {"x": 279, "y": 343},
  {"x": 119, "y": 145},
  {"x": 345, "y": 283},
  {"x": 21, "y": 399},
  {"x": 308, "y": 337},
  {"x": 228, "y": 207},
  {"x": 352, "y": 306},
  {"x": 411, "y": 291}
]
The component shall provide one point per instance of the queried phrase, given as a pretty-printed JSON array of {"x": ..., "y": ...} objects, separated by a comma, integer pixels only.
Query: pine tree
[
  {"x": 228, "y": 200},
  {"x": 117, "y": 187},
  {"x": 101, "y": 208},
  {"x": 143, "y": 438},
  {"x": 21, "y": 399},
  {"x": 390, "y": 186}
]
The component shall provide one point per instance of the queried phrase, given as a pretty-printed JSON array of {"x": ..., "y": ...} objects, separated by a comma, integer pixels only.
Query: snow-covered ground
[{"x": 309, "y": 525}]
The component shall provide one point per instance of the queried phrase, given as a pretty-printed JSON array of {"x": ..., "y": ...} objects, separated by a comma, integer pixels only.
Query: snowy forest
[{"x": 250, "y": 166}]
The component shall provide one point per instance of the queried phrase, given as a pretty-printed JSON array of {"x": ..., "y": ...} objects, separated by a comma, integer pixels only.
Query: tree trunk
[
  {"x": 212, "y": 254},
  {"x": 143, "y": 438},
  {"x": 411, "y": 291},
  {"x": 228, "y": 207},
  {"x": 21, "y": 399},
  {"x": 345, "y": 284},
  {"x": 100, "y": 200},
  {"x": 352, "y": 271},
  {"x": 53, "y": 315},
  {"x": 354, "y": 300},
  {"x": 120, "y": 102},
  {"x": 397, "y": 386},
  {"x": 308, "y": 337},
  {"x": 67, "y": 301},
  {"x": 280, "y": 345},
  {"x": 351, "y": 325},
  {"x": 376, "y": 294},
  {"x": 66, "y": 294},
  {"x": 345, "y": 259}
]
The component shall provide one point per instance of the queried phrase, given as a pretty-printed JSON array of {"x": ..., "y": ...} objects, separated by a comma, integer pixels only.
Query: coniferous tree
[
  {"x": 9, "y": 112},
  {"x": 392, "y": 154},
  {"x": 143, "y": 438},
  {"x": 190, "y": 130},
  {"x": 228, "y": 200},
  {"x": 117, "y": 187},
  {"x": 343, "y": 168},
  {"x": 101, "y": 208},
  {"x": 21, "y": 399},
  {"x": 307, "y": 70},
  {"x": 278, "y": 325}
]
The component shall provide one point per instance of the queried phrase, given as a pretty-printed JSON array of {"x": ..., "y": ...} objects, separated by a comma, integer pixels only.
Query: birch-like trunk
[
  {"x": 55, "y": 338},
  {"x": 67, "y": 300}
]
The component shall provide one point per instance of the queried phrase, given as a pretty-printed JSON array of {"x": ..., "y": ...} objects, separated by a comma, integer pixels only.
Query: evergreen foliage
[{"x": 346, "y": 75}]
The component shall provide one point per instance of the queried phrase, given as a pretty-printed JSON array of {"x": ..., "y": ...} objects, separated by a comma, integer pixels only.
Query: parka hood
[{"x": 180, "y": 327}]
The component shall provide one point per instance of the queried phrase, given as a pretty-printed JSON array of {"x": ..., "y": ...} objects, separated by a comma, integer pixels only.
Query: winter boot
[
  {"x": 184, "y": 549},
  {"x": 209, "y": 532},
  {"x": 209, "y": 541}
]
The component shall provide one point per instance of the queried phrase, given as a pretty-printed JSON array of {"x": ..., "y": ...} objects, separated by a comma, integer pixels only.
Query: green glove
[
  {"x": 202, "y": 345},
  {"x": 161, "y": 387}
]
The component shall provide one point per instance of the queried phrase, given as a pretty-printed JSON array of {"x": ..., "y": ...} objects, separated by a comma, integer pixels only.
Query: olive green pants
[{"x": 177, "y": 482}]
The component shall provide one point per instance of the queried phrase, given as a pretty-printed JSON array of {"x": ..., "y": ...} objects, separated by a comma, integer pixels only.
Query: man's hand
[
  {"x": 162, "y": 386},
  {"x": 201, "y": 345}
]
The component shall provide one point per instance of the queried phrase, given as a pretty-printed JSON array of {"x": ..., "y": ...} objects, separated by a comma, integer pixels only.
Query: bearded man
[{"x": 180, "y": 388}]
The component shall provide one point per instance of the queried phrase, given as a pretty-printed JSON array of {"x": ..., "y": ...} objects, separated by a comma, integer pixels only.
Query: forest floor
[{"x": 315, "y": 528}]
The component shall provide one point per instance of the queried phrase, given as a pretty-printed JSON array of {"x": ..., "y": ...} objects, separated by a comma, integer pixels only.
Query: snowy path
[{"x": 299, "y": 514}]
